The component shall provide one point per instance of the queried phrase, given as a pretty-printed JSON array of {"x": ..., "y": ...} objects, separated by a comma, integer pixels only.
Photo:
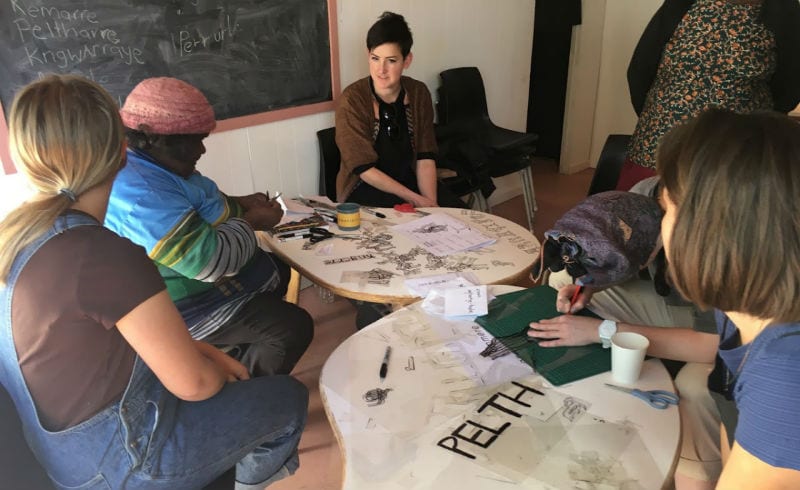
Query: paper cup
[
  {"x": 627, "y": 355},
  {"x": 348, "y": 216}
]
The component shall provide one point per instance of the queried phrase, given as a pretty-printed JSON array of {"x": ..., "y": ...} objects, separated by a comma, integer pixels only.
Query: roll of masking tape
[{"x": 348, "y": 216}]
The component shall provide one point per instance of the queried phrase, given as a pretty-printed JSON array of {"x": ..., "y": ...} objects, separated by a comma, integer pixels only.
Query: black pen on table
[
  {"x": 374, "y": 213},
  {"x": 385, "y": 363}
]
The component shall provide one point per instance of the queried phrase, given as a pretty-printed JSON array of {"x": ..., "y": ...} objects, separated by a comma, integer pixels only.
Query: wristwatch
[{"x": 605, "y": 331}]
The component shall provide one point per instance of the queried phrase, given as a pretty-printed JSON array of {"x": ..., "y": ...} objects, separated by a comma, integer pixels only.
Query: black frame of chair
[
  {"x": 329, "y": 162},
  {"x": 609, "y": 165},
  {"x": 462, "y": 108}
]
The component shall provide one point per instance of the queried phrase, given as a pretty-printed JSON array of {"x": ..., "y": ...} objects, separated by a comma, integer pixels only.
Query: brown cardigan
[{"x": 357, "y": 128}]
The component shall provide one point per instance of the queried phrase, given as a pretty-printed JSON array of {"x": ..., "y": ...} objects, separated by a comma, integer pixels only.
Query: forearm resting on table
[
  {"x": 677, "y": 343},
  {"x": 383, "y": 182}
]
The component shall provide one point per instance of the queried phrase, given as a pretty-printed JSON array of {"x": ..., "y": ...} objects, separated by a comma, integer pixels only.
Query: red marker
[{"x": 574, "y": 298}]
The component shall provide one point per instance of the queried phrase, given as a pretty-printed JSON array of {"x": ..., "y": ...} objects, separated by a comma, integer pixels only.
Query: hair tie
[{"x": 67, "y": 192}]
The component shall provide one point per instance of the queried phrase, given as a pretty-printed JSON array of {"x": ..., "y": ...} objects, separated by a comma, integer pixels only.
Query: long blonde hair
[{"x": 66, "y": 136}]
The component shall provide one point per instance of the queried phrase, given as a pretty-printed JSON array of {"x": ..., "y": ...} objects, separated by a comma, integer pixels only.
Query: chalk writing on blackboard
[{"x": 247, "y": 56}]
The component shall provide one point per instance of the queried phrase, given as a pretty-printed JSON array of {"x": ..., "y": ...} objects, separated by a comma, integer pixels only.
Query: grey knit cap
[{"x": 605, "y": 239}]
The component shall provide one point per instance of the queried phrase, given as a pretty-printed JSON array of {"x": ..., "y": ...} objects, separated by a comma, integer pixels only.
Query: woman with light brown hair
[
  {"x": 731, "y": 233},
  {"x": 111, "y": 389}
]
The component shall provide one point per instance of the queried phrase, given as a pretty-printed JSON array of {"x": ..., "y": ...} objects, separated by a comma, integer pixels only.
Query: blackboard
[{"x": 247, "y": 56}]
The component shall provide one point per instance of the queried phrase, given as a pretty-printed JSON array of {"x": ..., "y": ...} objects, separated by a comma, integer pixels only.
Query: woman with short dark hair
[{"x": 384, "y": 128}]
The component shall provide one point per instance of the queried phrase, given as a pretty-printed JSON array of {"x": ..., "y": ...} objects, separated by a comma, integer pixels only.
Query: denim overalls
[{"x": 150, "y": 438}]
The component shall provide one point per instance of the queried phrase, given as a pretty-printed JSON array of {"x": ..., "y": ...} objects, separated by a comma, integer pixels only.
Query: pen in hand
[
  {"x": 574, "y": 298},
  {"x": 385, "y": 363}
]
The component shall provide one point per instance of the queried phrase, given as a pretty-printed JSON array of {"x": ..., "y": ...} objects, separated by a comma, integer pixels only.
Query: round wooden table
[
  {"x": 374, "y": 265},
  {"x": 447, "y": 417}
]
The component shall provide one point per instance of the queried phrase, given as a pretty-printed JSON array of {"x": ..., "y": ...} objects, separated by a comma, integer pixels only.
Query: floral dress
[{"x": 719, "y": 55}]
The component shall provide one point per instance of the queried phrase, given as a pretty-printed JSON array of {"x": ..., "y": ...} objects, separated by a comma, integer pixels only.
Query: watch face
[{"x": 607, "y": 329}]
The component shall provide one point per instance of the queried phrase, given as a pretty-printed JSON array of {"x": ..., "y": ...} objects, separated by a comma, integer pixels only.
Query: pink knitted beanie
[{"x": 166, "y": 105}]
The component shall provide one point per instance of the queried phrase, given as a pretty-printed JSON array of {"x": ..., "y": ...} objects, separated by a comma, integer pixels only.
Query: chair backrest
[
  {"x": 462, "y": 95},
  {"x": 610, "y": 163},
  {"x": 329, "y": 162}
]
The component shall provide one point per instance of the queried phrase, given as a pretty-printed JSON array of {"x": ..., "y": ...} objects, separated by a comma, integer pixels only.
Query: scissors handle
[
  {"x": 659, "y": 399},
  {"x": 319, "y": 234}
]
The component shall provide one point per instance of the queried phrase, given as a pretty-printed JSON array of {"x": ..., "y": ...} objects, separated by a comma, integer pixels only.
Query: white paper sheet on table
[
  {"x": 294, "y": 210},
  {"x": 422, "y": 285},
  {"x": 470, "y": 301},
  {"x": 442, "y": 234}
]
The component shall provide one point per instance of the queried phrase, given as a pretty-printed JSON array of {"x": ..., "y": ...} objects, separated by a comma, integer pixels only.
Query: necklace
[{"x": 730, "y": 381}]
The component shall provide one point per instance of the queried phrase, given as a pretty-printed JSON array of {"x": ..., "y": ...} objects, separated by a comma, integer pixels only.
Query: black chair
[
  {"x": 469, "y": 177},
  {"x": 329, "y": 162},
  {"x": 609, "y": 166},
  {"x": 462, "y": 109}
]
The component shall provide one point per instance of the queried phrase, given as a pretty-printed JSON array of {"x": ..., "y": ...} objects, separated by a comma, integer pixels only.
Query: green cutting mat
[{"x": 508, "y": 318}]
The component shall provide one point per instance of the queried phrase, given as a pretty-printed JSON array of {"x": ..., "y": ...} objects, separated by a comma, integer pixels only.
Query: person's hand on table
[
  {"x": 420, "y": 201},
  {"x": 264, "y": 215},
  {"x": 565, "y": 330}
]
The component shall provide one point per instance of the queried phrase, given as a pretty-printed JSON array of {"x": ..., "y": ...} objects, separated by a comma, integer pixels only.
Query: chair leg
[
  {"x": 477, "y": 201},
  {"x": 293, "y": 289},
  {"x": 528, "y": 195}
]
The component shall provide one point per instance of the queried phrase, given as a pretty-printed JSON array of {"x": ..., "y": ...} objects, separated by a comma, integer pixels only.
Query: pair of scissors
[
  {"x": 659, "y": 399},
  {"x": 319, "y": 234}
]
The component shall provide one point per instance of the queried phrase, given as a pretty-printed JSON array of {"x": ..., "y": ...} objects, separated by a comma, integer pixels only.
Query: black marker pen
[
  {"x": 374, "y": 213},
  {"x": 385, "y": 363}
]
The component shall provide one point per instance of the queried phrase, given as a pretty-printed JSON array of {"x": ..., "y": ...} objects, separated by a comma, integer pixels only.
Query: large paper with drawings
[
  {"x": 508, "y": 319},
  {"x": 523, "y": 429},
  {"x": 442, "y": 234}
]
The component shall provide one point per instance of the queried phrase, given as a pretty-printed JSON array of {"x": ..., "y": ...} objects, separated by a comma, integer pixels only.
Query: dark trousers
[{"x": 269, "y": 334}]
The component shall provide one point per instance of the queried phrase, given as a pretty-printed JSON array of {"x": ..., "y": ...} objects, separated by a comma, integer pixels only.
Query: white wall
[
  {"x": 625, "y": 21},
  {"x": 598, "y": 102},
  {"x": 586, "y": 54},
  {"x": 494, "y": 36}
]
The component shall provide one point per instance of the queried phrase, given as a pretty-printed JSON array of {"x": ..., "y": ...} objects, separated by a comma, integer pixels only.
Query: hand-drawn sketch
[
  {"x": 431, "y": 228},
  {"x": 376, "y": 396},
  {"x": 574, "y": 408}
]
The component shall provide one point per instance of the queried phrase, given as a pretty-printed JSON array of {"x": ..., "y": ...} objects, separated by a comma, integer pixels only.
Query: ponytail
[{"x": 66, "y": 136}]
